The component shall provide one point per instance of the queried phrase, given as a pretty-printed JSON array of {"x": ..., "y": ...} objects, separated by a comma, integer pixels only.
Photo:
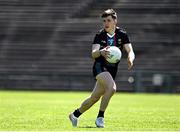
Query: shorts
[{"x": 99, "y": 67}]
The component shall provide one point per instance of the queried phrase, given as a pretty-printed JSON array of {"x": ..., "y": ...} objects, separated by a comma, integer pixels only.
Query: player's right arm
[
  {"x": 96, "y": 48},
  {"x": 96, "y": 52}
]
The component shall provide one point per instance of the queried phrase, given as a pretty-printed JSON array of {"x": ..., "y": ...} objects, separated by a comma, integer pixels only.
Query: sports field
[{"x": 49, "y": 111}]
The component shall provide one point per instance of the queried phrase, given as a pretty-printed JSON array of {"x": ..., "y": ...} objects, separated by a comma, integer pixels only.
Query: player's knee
[
  {"x": 107, "y": 81},
  {"x": 112, "y": 88}
]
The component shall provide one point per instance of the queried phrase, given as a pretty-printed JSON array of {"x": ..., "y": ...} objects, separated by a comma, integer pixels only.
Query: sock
[
  {"x": 101, "y": 114},
  {"x": 77, "y": 113}
]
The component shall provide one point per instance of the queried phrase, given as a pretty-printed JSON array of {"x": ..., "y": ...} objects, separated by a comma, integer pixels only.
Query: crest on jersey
[{"x": 110, "y": 41}]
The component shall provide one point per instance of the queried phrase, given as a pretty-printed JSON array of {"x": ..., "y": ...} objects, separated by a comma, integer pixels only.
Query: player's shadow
[{"x": 87, "y": 127}]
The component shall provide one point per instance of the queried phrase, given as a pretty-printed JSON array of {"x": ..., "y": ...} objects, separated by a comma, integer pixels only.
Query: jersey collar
[{"x": 110, "y": 35}]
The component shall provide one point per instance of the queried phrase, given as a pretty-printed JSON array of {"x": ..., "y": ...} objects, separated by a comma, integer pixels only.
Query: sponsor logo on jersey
[
  {"x": 103, "y": 41},
  {"x": 119, "y": 41}
]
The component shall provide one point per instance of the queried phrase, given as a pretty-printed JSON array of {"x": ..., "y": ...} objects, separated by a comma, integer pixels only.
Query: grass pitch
[{"x": 40, "y": 111}]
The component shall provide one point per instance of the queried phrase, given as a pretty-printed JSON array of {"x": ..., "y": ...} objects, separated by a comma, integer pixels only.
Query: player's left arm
[{"x": 131, "y": 55}]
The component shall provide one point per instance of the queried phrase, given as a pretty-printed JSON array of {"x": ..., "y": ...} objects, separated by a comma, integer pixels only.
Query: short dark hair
[{"x": 109, "y": 12}]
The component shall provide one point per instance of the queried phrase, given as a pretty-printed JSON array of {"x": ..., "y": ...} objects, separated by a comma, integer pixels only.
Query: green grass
[{"x": 49, "y": 111}]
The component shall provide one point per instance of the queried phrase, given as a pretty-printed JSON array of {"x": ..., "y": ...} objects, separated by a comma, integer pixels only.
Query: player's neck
[{"x": 112, "y": 31}]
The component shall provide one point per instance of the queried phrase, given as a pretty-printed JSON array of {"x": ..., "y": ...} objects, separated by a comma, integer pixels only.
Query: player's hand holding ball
[
  {"x": 104, "y": 52},
  {"x": 112, "y": 54}
]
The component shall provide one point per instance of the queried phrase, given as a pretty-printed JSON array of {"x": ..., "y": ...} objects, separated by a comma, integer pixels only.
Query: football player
[{"x": 104, "y": 72}]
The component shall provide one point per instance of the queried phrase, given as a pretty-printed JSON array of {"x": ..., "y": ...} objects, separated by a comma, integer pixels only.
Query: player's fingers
[
  {"x": 107, "y": 47},
  {"x": 107, "y": 52},
  {"x": 103, "y": 53},
  {"x": 107, "y": 56},
  {"x": 130, "y": 64},
  {"x": 129, "y": 67}
]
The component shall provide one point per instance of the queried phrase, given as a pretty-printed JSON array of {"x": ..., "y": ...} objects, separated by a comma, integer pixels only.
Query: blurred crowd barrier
[{"x": 46, "y": 44}]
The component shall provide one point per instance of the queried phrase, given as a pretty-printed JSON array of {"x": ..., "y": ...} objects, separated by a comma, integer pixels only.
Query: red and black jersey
[{"x": 118, "y": 39}]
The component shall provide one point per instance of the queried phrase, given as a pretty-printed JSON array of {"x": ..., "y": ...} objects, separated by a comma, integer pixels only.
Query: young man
[{"x": 103, "y": 71}]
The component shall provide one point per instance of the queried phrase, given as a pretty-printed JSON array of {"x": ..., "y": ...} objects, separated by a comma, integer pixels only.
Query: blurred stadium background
[{"x": 46, "y": 44}]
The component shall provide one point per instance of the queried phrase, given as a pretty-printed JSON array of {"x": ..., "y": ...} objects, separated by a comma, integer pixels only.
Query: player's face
[{"x": 109, "y": 23}]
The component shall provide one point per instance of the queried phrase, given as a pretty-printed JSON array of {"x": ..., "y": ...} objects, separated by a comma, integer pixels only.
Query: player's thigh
[
  {"x": 106, "y": 80},
  {"x": 98, "y": 90}
]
